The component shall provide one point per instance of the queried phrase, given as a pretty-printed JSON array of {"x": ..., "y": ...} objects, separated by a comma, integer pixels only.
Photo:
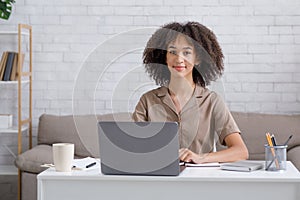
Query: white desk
[{"x": 193, "y": 183}]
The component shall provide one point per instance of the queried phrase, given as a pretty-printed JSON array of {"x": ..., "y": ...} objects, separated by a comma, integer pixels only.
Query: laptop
[{"x": 139, "y": 148}]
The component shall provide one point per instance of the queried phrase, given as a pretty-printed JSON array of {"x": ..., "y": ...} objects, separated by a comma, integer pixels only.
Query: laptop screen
[{"x": 140, "y": 148}]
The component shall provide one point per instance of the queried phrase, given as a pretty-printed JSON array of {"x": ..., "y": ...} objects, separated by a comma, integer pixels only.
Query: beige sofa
[{"x": 54, "y": 129}]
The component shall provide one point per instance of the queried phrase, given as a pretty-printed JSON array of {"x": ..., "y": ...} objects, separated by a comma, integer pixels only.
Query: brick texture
[{"x": 91, "y": 52}]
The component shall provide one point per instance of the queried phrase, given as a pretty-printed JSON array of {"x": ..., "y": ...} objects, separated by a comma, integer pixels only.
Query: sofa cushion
[
  {"x": 31, "y": 160},
  {"x": 55, "y": 129},
  {"x": 254, "y": 126},
  {"x": 80, "y": 130}
]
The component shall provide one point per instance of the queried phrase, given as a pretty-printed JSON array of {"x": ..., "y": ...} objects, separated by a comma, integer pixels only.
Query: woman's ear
[{"x": 197, "y": 62}]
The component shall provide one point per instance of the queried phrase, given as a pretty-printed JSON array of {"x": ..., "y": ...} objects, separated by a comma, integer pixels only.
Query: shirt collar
[
  {"x": 198, "y": 96},
  {"x": 199, "y": 91}
]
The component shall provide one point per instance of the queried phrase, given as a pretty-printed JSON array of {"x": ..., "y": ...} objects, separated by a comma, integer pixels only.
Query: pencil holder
[{"x": 275, "y": 157}]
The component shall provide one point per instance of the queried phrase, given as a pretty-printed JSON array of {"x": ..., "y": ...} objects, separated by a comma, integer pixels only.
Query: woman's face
[{"x": 181, "y": 58}]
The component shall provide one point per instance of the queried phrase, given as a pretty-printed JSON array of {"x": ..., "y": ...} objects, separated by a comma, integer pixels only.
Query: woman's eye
[
  {"x": 186, "y": 53},
  {"x": 173, "y": 52}
]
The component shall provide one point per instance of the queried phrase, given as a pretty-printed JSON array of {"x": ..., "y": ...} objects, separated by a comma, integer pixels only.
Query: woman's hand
[
  {"x": 236, "y": 150},
  {"x": 187, "y": 155}
]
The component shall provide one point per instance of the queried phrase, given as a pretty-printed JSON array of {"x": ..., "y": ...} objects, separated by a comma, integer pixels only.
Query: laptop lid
[{"x": 139, "y": 148}]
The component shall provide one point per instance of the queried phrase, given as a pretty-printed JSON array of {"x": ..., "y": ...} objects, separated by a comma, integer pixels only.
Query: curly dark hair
[{"x": 207, "y": 49}]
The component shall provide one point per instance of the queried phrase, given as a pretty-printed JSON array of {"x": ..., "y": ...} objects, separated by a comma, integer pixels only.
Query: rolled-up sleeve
[
  {"x": 223, "y": 120},
  {"x": 140, "y": 112}
]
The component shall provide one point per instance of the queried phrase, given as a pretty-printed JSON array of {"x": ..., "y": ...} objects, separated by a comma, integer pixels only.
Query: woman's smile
[{"x": 179, "y": 68}]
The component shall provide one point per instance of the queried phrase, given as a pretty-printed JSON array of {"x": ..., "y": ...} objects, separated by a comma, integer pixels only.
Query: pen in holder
[{"x": 275, "y": 157}]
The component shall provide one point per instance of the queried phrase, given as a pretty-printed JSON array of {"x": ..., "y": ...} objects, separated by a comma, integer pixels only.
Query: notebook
[
  {"x": 189, "y": 164},
  {"x": 243, "y": 165},
  {"x": 139, "y": 148}
]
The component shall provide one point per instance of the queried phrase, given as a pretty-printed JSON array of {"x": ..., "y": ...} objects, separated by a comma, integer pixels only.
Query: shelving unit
[{"x": 25, "y": 77}]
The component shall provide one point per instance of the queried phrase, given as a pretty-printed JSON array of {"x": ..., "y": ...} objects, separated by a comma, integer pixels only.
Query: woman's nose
[{"x": 179, "y": 58}]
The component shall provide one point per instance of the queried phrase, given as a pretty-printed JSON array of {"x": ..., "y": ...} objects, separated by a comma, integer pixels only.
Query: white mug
[{"x": 63, "y": 155}]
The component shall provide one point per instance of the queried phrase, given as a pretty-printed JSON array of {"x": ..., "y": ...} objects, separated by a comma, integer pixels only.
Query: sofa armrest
[
  {"x": 31, "y": 160},
  {"x": 293, "y": 156}
]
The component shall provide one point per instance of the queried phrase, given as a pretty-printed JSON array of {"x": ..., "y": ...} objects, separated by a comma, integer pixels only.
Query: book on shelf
[
  {"x": 14, "y": 72},
  {"x": 14, "y": 68},
  {"x": 243, "y": 166},
  {"x": 2, "y": 64},
  {"x": 9, "y": 66}
]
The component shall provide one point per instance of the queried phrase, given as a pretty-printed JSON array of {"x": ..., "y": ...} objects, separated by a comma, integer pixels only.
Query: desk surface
[
  {"x": 189, "y": 174},
  {"x": 205, "y": 182}
]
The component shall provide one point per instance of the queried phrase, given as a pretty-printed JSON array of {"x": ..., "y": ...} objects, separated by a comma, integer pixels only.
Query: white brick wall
[{"x": 260, "y": 40}]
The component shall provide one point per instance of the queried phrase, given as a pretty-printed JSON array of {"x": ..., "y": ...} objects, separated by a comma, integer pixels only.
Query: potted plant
[{"x": 6, "y": 8}]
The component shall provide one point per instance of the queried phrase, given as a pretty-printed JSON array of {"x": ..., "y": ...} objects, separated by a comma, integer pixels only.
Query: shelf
[
  {"x": 13, "y": 129},
  {"x": 8, "y": 170},
  {"x": 13, "y": 33},
  {"x": 13, "y": 82}
]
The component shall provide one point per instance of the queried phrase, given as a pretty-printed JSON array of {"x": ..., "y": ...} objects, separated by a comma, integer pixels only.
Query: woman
[{"x": 183, "y": 59}]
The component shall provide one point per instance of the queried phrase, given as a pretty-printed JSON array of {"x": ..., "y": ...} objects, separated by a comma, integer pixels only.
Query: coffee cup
[{"x": 63, "y": 155}]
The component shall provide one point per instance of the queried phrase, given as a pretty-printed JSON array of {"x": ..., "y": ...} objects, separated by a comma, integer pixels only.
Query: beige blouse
[{"x": 202, "y": 117}]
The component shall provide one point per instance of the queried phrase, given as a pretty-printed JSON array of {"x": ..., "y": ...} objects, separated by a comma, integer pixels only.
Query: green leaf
[{"x": 6, "y": 8}]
